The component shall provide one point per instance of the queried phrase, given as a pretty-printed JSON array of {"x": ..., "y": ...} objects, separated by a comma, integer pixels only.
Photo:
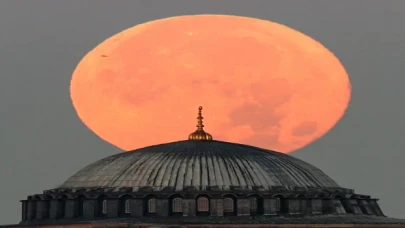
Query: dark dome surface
[{"x": 199, "y": 164}]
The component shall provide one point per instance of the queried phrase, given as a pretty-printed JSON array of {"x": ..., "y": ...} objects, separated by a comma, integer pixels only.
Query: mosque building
[{"x": 201, "y": 182}]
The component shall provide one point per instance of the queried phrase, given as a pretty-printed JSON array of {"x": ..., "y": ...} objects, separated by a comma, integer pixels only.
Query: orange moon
[{"x": 260, "y": 83}]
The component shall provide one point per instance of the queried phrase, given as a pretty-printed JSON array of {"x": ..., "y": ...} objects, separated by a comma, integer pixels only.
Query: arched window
[
  {"x": 101, "y": 206},
  {"x": 80, "y": 205},
  {"x": 127, "y": 205},
  {"x": 124, "y": 205},
  {"x": 203, "y": 205},
  {"x": 255, "y": 205},
  {"x": 177, "y": 205},
  {"x": 228, "y": 205},
  {"x": 278, "y": 204},
  {"x": 104, "y": 206},
  {"x": 305, "y": 205},
  {"x": 152, "y": 205}
]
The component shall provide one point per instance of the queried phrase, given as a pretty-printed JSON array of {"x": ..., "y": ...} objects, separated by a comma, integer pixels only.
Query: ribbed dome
[{"x": 199, "y": 164}]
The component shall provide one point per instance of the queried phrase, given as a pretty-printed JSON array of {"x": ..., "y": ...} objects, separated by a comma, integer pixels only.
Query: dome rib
[
  {"x": 296, "y": 172},
  {"x": 200, "y": 164},
  {"x": 243, "y": 169},
  {"x": 319, "y": 173},
  {"x": 273, "y": 170},
  {"x": 305, "y": 174}
]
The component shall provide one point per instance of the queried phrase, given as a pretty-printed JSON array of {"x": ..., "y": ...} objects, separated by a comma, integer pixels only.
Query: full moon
[{"x": 260, "y": 83}]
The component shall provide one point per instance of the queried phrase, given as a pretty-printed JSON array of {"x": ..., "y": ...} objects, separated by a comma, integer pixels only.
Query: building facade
[{"x": 201, "y": 182}]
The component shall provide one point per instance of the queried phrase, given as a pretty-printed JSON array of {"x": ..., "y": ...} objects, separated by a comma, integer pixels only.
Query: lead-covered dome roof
[{"x": 200, "y": 164}]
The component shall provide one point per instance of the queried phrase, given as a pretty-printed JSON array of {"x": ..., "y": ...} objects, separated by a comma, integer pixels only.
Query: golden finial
[{"x": 200, "y": 134}]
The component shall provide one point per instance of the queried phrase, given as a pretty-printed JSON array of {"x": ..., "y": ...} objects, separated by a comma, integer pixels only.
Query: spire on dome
[{"x": 200, "y": 134}]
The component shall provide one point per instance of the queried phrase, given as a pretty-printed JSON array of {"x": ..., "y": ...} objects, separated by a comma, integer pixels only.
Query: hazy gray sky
[{"x": 43, "y": 142}]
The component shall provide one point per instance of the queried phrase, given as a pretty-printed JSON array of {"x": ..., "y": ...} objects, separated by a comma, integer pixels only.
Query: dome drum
[{"x": 83, "y": 204}]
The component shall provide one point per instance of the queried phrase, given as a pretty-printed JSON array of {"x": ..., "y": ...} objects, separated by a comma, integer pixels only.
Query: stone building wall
[{"x": 54, "y": 208}]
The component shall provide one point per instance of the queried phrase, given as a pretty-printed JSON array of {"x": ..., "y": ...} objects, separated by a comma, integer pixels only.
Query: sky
[{"x": 43, "y": 142}]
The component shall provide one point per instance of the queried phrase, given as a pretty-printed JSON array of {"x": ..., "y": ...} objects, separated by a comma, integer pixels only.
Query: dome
[
  {"x": 200, "y": 164},
  {"x": 202, "y": 181}
]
